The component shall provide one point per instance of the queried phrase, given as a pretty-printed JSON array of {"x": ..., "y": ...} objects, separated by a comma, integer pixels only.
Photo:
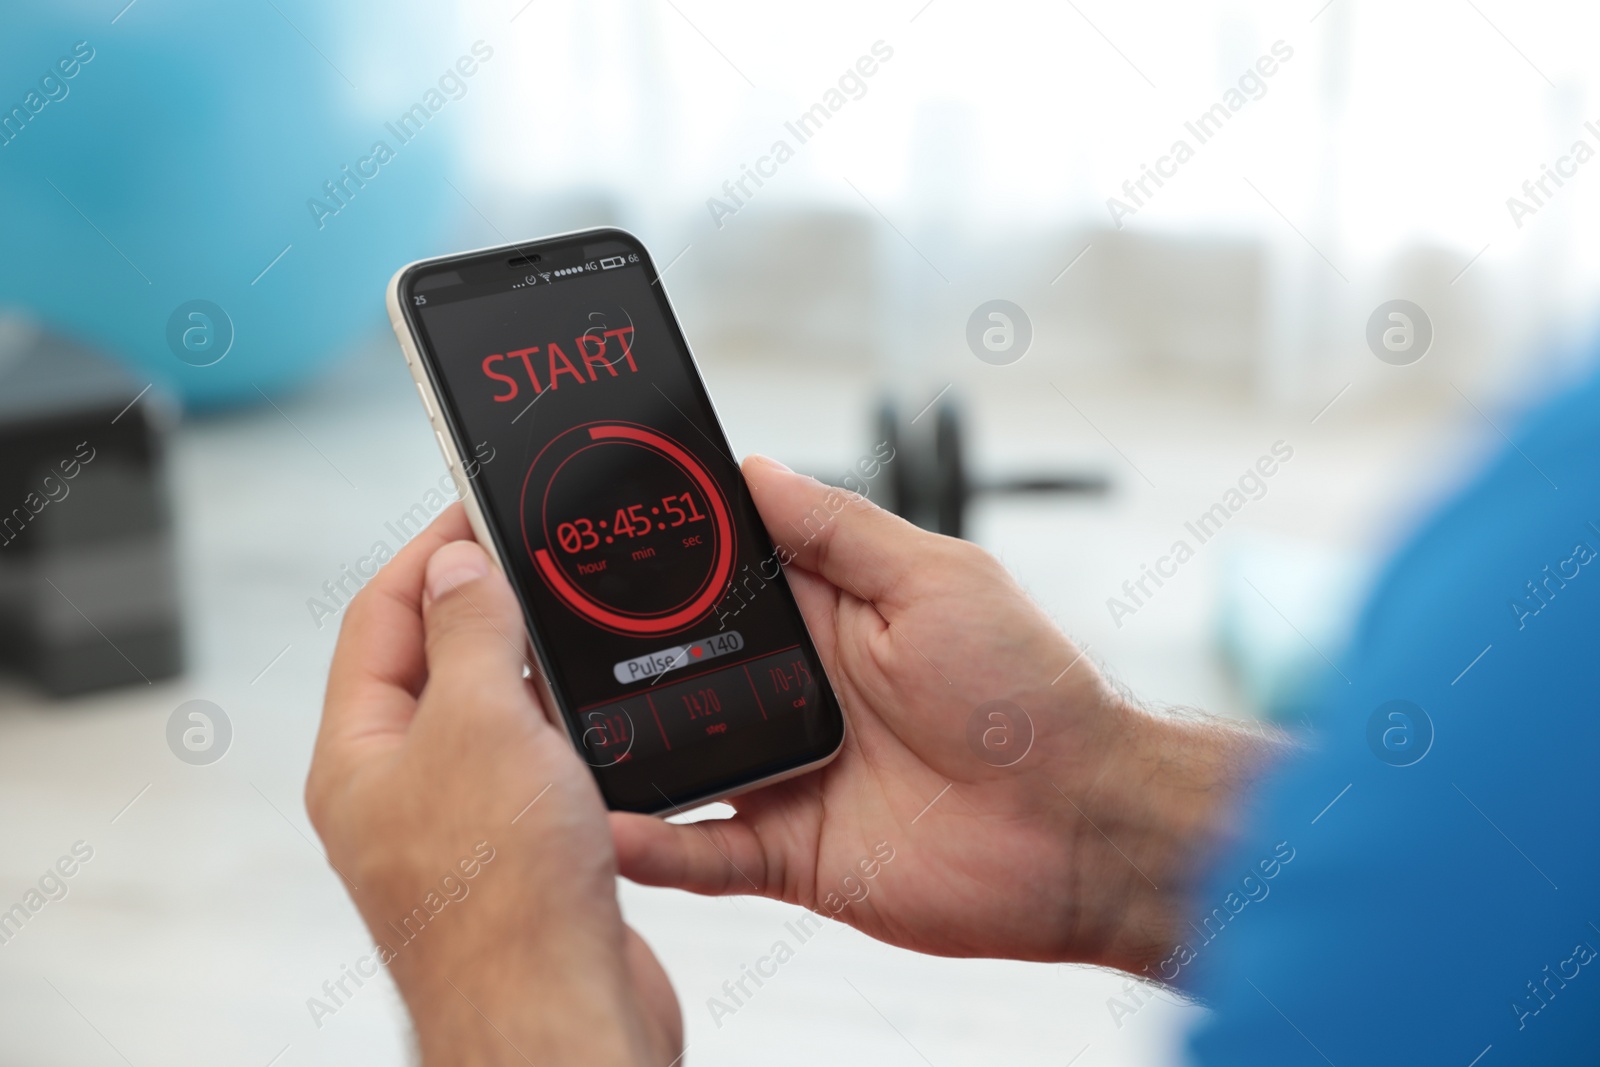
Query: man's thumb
[
  {"x": 474, "y": 626},
  {"x": 850, "y": 541}
]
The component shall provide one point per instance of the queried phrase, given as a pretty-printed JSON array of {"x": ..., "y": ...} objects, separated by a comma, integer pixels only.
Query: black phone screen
[{"x": 653, "y": 594}]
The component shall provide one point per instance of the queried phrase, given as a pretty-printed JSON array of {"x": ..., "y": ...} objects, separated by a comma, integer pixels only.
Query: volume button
[
  {"x": 425, "y": 405},
  {"x": 449, "y": 456}
]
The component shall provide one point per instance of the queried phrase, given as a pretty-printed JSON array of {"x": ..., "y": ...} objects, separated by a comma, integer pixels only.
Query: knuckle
[
  {"x": 970, "y": 556},
  {"x": 357, "y": 610},
  {"x": 318, "y": 799},
  {"x": 480, "y": 689},
  {"x": 451, "y": 616}
]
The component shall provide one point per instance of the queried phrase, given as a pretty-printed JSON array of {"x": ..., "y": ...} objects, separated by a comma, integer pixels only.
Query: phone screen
[{"x": 653, "y": 594}]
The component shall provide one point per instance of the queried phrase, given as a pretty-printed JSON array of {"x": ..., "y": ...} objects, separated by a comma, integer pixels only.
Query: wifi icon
[{"x": 545, "y": 275}]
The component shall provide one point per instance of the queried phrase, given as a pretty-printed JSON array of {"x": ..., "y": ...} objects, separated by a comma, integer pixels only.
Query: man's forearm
[
  {"x": 546, "y": 1022},
  {"x": 1165, "y": 803},
  {"x": 547, "y": 996}
]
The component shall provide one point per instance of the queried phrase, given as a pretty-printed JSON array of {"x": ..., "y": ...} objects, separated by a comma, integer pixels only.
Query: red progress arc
[{"x": 722, "y": 567}]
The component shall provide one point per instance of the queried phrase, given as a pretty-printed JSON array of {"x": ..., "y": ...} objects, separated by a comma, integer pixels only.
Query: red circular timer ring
[{"x": 610, "y": 618}]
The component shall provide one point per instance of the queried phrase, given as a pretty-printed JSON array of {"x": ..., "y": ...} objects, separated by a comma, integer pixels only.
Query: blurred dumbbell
[
  {"x": 927, "y": 481},
  {"x": 88, "y": 562}
]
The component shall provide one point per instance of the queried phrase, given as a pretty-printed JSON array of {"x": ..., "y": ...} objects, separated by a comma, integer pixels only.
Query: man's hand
[
  {"x": 1084, "y": 849},
  {"x": 468, "y": 832}
]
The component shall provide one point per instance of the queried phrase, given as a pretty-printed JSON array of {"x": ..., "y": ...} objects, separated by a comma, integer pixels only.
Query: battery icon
[{"x": 612, "y": 262}]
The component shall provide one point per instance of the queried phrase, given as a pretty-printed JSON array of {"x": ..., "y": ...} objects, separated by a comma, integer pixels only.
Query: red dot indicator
[{"x": 696, "y": 653}]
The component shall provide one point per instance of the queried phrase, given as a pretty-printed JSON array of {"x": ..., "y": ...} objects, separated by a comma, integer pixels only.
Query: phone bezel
[{"x": 421, "y": 363}]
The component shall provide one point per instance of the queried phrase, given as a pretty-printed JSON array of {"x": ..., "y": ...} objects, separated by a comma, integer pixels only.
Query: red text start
[{"x": 597, "y": 353}]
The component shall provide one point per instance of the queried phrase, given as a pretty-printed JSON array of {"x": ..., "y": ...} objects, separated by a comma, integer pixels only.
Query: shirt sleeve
[{"x": 1424, "y": 885}]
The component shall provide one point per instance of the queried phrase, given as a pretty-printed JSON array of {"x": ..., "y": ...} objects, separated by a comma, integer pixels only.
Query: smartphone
[{"x": 594, "y": 468}]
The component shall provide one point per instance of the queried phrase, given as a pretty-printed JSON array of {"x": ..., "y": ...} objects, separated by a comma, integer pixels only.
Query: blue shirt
[{"x": 1442, "y": 902}]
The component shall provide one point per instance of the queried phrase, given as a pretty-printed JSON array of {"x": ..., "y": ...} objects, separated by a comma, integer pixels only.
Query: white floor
[{"x": 207, "y": 915}]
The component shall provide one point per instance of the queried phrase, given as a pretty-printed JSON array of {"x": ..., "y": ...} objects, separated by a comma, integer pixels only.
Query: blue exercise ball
[{"x": 194, "y": 189}]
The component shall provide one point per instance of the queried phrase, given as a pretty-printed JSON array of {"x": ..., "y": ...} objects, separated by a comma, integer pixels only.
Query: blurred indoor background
[{"x": 195, "y": 162}]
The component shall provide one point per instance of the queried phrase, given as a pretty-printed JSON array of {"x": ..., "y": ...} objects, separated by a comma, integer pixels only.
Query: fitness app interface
[{"x": 675, "y": 645}]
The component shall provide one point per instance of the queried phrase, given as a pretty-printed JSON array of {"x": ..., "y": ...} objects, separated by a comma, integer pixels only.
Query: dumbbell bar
[{"x": 927, "y": 482}]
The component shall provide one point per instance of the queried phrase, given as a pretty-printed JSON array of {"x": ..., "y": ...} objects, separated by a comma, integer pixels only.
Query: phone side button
[
  {"x": 425, "y": 405},
  {"x": 449, "y": 457}
]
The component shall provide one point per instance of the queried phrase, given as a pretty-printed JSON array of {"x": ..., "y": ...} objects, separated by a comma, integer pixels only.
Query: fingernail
[
  {"x": 455, "y": 564},
  {"x": 769, "y": 461}
]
